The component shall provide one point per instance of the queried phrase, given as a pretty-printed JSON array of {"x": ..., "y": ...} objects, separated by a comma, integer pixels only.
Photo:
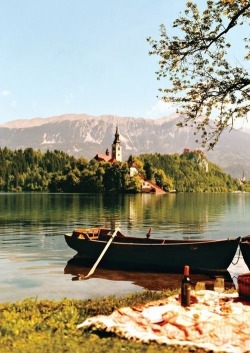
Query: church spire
[
  {"x": 117, "y": 136},
  {"x": 116, "y": 147}
]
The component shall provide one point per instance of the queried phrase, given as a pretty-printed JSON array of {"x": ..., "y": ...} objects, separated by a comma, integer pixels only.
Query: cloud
[
  {"x": 160, "y": 109},
  {"x": 5, "y": 93}
]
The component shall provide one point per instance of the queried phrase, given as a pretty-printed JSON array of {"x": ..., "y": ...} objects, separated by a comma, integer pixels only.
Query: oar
[{"x": 101, "y": 255}]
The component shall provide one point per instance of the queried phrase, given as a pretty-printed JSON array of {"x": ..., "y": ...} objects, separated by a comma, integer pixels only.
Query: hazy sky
[{"x": 81, "y": 56}]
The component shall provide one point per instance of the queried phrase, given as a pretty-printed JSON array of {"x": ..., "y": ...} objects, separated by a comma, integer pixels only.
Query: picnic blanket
[{"x": 214, "y": 323}]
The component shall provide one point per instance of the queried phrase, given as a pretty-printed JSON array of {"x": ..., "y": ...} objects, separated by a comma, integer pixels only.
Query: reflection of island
[
  {"x": 146, "y": 280},
  {"x": 174, "y": 215}
]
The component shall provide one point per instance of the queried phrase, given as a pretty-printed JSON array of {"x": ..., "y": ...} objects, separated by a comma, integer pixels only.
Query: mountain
[{"x": 83, "y": 135}]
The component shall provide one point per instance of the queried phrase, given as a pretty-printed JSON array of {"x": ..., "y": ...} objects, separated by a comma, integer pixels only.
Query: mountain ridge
[{"x": 83, "y": 135}]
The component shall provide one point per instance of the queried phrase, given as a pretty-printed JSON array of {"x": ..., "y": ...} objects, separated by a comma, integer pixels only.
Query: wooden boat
[
  {"x": 152, "y": 254},
  {"x": 245, "y": 249}
]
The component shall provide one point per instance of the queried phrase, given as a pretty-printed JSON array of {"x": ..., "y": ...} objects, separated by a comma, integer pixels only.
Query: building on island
[
  {"x": 116, "y": 151},
  {"x": 199, "y": 157},
  {"x": 147, "y": 186},
  {"x": 117, "y": 147}
]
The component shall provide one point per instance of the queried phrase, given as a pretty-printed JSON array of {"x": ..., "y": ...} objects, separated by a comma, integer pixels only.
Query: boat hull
[
  {"x": 163, "y": 256},
  {"x": 245, "y": 250}
]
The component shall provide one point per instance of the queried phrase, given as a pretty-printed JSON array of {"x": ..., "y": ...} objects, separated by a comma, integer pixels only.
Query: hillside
[
  {"x": 82, "y": 135},
  {"x": 30, "y": 170}
]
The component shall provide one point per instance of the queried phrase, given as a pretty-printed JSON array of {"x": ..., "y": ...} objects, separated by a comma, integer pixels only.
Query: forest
[{"x": 31, "y": 170}]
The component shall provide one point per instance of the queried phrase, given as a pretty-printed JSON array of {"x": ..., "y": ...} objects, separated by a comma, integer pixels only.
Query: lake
[{"x": 34, "y": 256}]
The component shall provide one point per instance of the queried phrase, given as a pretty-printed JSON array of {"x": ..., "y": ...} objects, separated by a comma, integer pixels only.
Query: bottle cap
[{"x": 186, "y": 270}]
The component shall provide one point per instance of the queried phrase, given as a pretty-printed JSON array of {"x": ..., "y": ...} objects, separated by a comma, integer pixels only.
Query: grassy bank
[{"x": 47, "y": 326}]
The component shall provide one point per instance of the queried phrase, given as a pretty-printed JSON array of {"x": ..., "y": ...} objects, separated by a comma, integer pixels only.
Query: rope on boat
[{"x": 237, "y": 260}]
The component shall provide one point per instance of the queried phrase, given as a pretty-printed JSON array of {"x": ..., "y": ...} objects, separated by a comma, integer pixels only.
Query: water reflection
[
  {"x": 173, "y": 214},
  {"x": 146, "y": 280},
  {"x": 33, "y": 252}
]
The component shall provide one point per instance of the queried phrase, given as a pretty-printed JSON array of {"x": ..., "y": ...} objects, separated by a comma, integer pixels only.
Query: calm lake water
[{"x": 34, "y": 256}]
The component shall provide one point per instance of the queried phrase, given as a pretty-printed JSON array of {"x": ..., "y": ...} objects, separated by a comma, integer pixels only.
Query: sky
[{"x": 81, "y": 56}]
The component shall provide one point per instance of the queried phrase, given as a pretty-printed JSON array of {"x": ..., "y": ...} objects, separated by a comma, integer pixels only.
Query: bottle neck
[{"x": 186, "y": 271}]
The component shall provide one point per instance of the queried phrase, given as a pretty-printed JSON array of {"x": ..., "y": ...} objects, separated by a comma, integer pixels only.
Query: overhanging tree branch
[{"x": 202, "y": 80}]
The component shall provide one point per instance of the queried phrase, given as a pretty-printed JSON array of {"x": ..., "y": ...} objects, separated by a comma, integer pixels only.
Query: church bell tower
[{"x": 116, "y": 147}]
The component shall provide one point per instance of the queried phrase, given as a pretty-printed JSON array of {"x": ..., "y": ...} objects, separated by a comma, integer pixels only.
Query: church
[
  {"x": 147, "y": 186},
  {"x": 116, "y": 151}
]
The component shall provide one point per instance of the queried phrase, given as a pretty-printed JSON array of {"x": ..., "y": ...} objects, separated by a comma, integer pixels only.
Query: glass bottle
[{"x": 185, "y": 287}]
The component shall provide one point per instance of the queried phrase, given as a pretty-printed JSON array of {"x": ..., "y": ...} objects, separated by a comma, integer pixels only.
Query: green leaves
[
  {"x": 202, "y": 80},
  {"x": 189, "y": 172}
]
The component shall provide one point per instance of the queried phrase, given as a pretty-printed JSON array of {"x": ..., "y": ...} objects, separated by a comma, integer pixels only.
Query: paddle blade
[{"x": 101, "y": 255}]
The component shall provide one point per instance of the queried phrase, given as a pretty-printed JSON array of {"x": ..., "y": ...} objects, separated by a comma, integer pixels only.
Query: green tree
[
  {"x": 203, "y": 82},
  {"x": 186, "y": 174},
  {"x": 71, "y": 181},
  {"x": 133, "y": 184},
  {"x": 113, "y": 179},
  {"x": 91, "y": 177},
  {"x": 56, "y": 182},
  {"x": 162, "y": 180},
  {"x": 149, "y": 170}
]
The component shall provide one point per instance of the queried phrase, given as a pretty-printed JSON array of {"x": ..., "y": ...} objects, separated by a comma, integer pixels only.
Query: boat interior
[{"x": 104, "y": 234}]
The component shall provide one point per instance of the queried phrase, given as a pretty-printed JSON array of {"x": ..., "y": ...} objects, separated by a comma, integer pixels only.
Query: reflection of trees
[
  {"x": 172, "y": 214},
  {"x": 135, "y": 213}
]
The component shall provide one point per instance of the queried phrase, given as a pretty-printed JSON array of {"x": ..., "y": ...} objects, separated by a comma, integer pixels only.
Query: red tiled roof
[
  {"x": 104, "y": 157},
  {"x": 152, "y": 186}
]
